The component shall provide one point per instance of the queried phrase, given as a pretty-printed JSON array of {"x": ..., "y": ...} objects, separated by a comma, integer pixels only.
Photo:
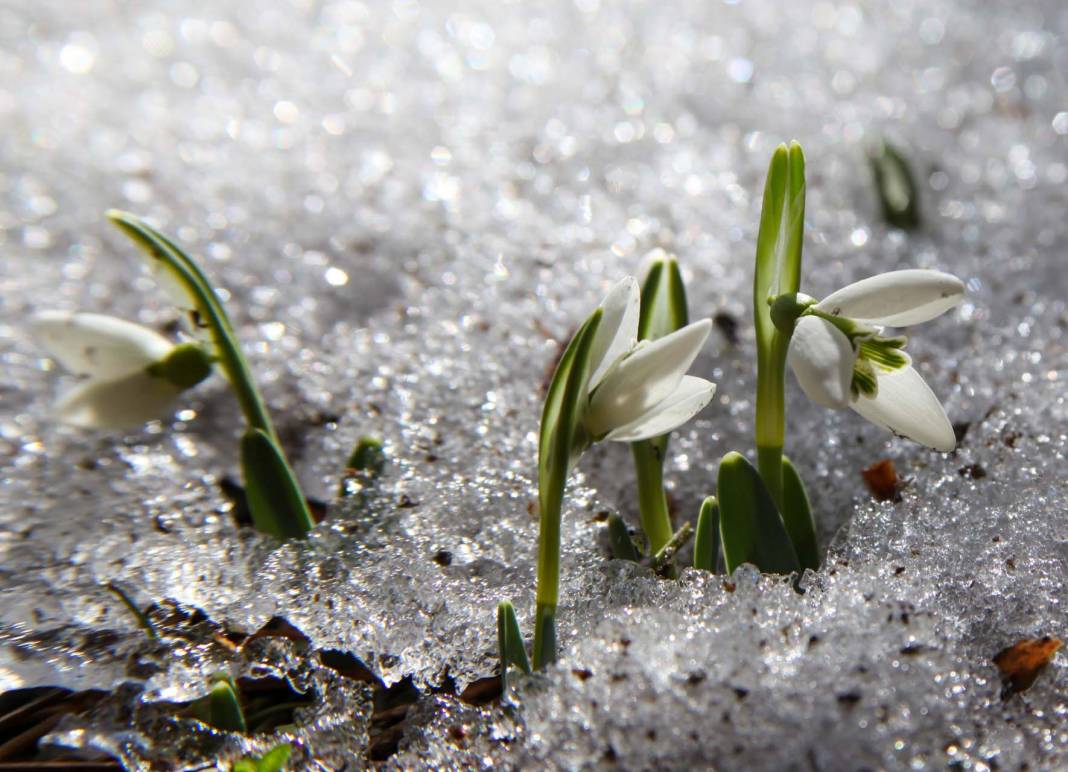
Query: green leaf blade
[
  {"x": 560, "y": 439},
  {"x": 275, "y": 500},
  {"x": 797, "y": 517},
  {"x": 899, "y": 195},
  {"x": 706, "y": 540},
  {"x": 751, "y": 529},
  {"x": 510, "y": 642},
  {"x": 224, "y": 707}
]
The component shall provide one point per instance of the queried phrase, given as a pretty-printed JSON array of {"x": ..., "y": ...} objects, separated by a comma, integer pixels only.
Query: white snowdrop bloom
[
  {"x": 131, "y": 374},
  {"x": 841, "y": 358},
  {"x": 638, "y": 390}
]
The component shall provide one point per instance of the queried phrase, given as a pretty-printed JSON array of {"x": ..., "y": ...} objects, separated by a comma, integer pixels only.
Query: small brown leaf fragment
[
  {"x": 1021, "y": 663},
  {"x": 882, "y": 480}
]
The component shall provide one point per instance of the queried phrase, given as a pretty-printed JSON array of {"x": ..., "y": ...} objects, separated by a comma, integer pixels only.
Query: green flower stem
[
  {"x": 559, "y": 443},
  {"x": 652, "y": 501},
  {"x": 295, "y": 518},
  {"x": 778, "y": 272},
  {"x": 231, "y": 359},
  {"x": 771, "y": 414}
]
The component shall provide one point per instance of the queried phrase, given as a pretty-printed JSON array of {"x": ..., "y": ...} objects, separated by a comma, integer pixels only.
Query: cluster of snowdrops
[{"x": 623, "y": 377}]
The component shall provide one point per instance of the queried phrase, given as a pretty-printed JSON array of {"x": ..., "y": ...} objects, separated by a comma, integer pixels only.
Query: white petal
[
  {"x": 897, "y": 298},
  {"x": 116, "y": 404},
  {"x": 822, "y": 358},
  {"x": 98, "y": 345},
  {"x": 645, "y": 378},
  {"x": 681, "y": 405},
  {"x": 618, "y": 332},
  {"x": 906, "y": 406}
]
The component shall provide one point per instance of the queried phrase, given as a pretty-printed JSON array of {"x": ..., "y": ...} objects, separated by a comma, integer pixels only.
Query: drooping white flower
[
  {"x": 638, "y": 390},
  {"x": 841, "y": 358},
  {"x": 131, "y": 374}
]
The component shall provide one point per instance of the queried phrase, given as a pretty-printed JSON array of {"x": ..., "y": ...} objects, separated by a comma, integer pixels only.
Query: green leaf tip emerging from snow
[
  {"x": 510, "y": 643},
  {"x": 751, "y": 530},
  {"x": 706, "y": 540},
  {"x": 275, "y": 501}
]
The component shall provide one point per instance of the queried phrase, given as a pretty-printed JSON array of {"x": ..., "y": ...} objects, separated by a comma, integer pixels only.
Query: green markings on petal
[
  {"x": 510, "y": 643},
  {"x": 560, "y": 441},
  {"x": 275, "y": 501},
  {"x": 706, "y": 540},
  {"x": 865, "y": 382},
  {"x": 885, "y": 353},
  {"x": 797, "y": 517},
  {"x": 751, "y": 529},
  {"x": 899, "y": 196}
]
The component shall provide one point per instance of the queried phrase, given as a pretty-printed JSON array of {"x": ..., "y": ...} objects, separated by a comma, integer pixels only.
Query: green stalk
[
  {"x": 559, "y": 437},
  {"x": 231, "y": 358},
  {"x": 663, "y": 311},
  {"x": 771, "y": 414},
  {"x": 652, "y": 501},
  {"x": 778, "y": 271},
  {"x": 291, "y": 517}
]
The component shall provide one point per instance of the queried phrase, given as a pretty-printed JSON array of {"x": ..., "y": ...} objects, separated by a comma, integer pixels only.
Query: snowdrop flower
[
  {"x": 841, "y": 358},
  {"x": 131, "y": 374},
  {"x": 638, "y": 390}
]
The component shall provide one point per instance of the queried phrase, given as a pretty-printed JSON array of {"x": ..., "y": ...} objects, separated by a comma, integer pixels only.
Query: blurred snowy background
[{"x": 407, "y": 206}]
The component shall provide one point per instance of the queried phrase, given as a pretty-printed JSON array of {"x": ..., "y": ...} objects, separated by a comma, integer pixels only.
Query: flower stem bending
[
  {"x": 286, "y": 514},
  {"x": 559, "y": 427}
]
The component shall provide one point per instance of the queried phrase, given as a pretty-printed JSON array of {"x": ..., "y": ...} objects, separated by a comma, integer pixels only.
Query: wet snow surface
[{"x": 407, "y": 208}]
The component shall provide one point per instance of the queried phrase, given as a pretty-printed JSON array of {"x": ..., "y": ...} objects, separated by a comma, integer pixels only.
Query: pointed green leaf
[
  {"x": 554, "y": 430},
  {"x": 797, "y": 516},
  {"x": 779, "y": 242},
  {"x": 277, "y": 505},
  {"x": 663, "y": 306},
  {"x": 899, "y": 196},
  {"x": 224, "y": 708},
  {"x": 706, "y": 542},
  {"x": 619, "y": 537},
  {"x": 275, "y": 759},
  {"x": 510, "y": 642},
  {"x": 751, "y": 530},
  {"x": 364, "y": 464},
  {"x": 367, "y": 456}
]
